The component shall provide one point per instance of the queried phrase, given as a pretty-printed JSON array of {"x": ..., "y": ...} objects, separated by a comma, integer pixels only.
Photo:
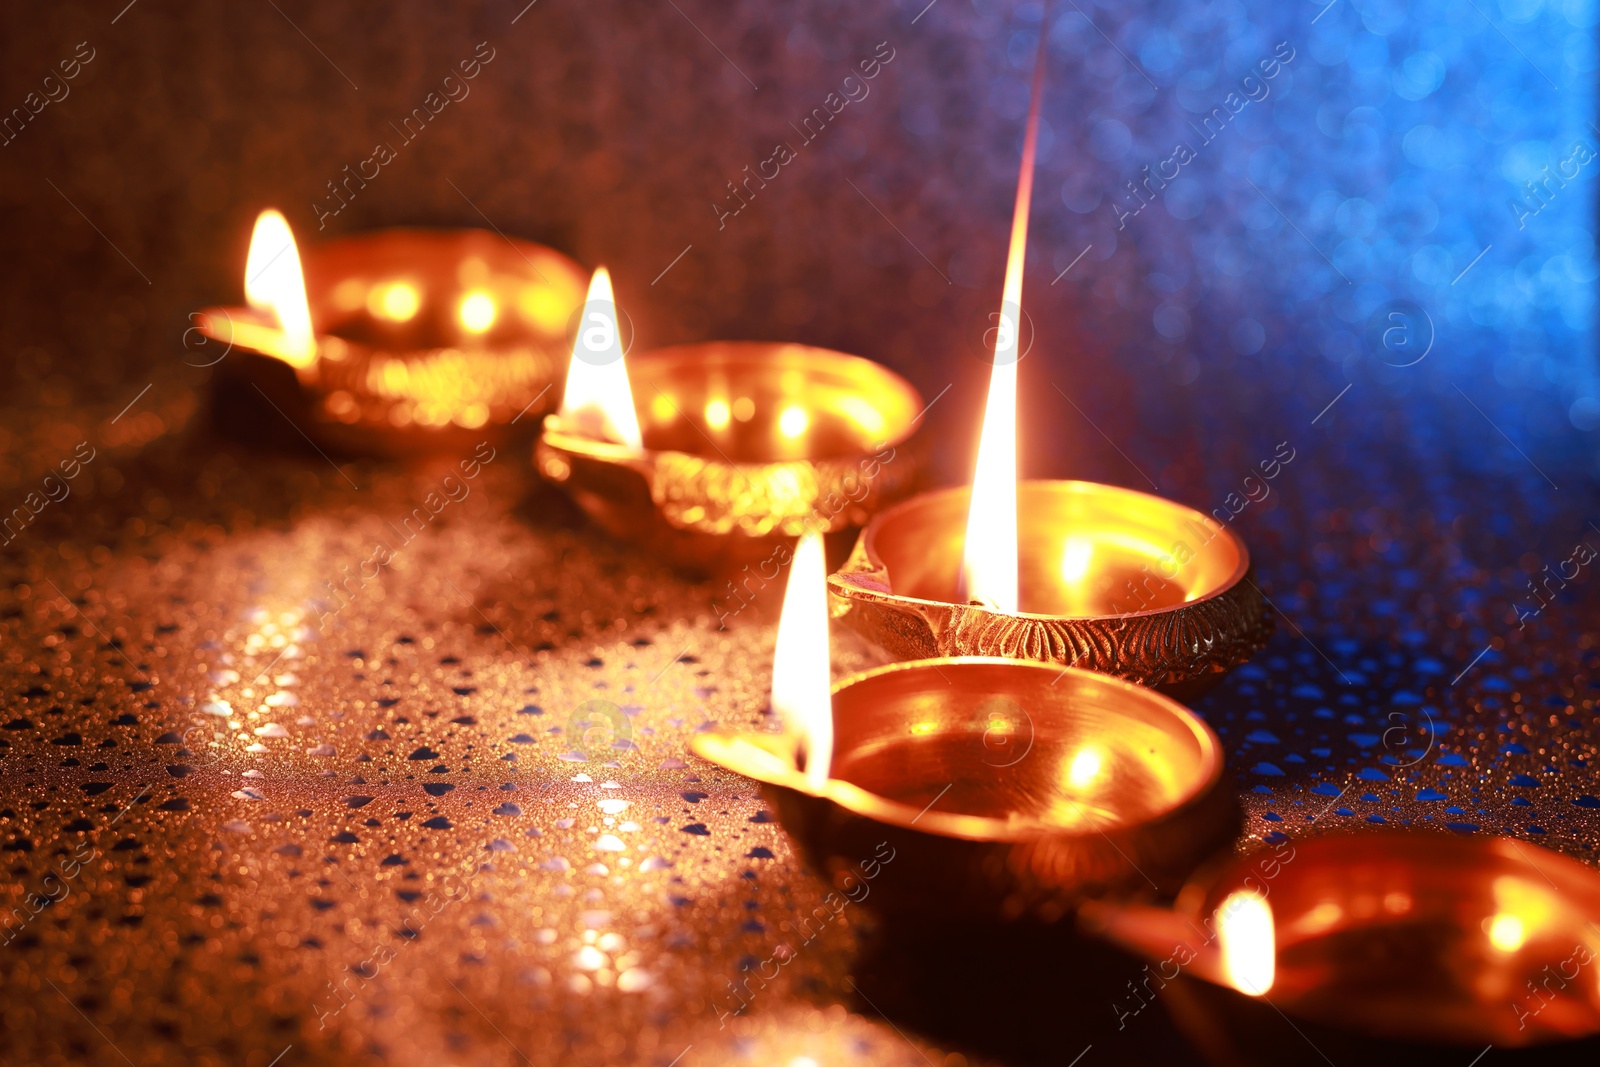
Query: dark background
[
  {"x": 1380, "y": 176},
  {"x": 1393, "y": 143}
]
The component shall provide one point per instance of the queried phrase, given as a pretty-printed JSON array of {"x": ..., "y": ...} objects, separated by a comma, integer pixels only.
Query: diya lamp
[
  {"x": 1003, "y": 789},
  {"x": 1426, "y": 948},
  {"x": 399, "y": 341},
  {"x": 1072, "y": 572},
  {"x": 1010, "y": 787},
  {"x": 720, "y": 453},
  {"x": 994, "y": 789}
]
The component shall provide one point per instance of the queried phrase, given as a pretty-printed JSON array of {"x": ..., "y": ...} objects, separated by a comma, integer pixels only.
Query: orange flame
[
  {"x": 989, "y": 560},
  {"x": 1248, "y": 942},
  {"x": 800, "y": 693},
  {"x": 598, "y": 401},
  {"x": 274, "y": 282}
]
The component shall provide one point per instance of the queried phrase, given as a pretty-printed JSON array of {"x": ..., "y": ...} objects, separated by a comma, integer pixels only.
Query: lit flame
[
  {"x": 598, "y": 401},
  {"x": 1248, "y": 941},
  {"x": 800, "y": 663},
  {"x": 989, "y": 561},
  {"x": 273, "y": 282}
]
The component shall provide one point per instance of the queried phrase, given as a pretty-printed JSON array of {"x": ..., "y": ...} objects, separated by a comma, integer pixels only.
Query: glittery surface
[{"x": 295, "y": 806}]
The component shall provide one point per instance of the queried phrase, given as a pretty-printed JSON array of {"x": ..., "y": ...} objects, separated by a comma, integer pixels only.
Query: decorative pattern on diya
[
  {"x": 715, "y": 497},
  {"x": 1182, "y": 649},
  {"x": 469, "y": 387},
  {"x": 1164, "y": 650}
]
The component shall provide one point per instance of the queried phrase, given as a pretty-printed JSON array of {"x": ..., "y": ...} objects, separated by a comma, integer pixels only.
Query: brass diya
[
  {"x": 1432, "y": 941},
  {"x": 746, "y": 445},
  {"x": 1004, "y": 789},
  {"x": 426, "y": 340},
  {"x": 1111, "y": 580}
]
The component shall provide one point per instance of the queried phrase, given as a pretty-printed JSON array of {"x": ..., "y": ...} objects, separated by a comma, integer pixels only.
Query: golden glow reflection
[
  {"x": 1507, "y": 933},
  {"x": 792, "y": 421},
  {"x": 395, "y": 301},
  {"x": 1325, "y": 916},
  {"x": 1522, "y": 908},
  {"x": 544, "y": 306},
  {"x": 477, "y": 311},
  {"x": 864, "y": 413},
  {"x": 1085, "y": 767},
  {"x": 1075, "y": 557},
  {"x": 717, "y": 413}
]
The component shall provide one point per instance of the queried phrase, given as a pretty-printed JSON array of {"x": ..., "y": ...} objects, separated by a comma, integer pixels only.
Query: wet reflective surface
[
  {"x": 284, "y": 794},
  {"x": 353, "y": 816}
]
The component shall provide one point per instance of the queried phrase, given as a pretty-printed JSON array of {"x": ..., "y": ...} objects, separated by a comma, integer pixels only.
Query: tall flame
[
  {"x": 598, "y": 401},
  {"x": 800, "y": 664},
  {"x": 1248, "y": 941},
  {"x": 989, "y": 561},
  {"x": 274, "y": 282}
]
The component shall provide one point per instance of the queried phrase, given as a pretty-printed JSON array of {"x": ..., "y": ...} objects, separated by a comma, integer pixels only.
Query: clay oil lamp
[
  {"x": 1071, "y": 572},
  {"x": 983, "y": 788},
  {"x": 719, "y": 454},
  {"x": 396, "y": 342},
  {"x": 1408, "y": 947}
]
